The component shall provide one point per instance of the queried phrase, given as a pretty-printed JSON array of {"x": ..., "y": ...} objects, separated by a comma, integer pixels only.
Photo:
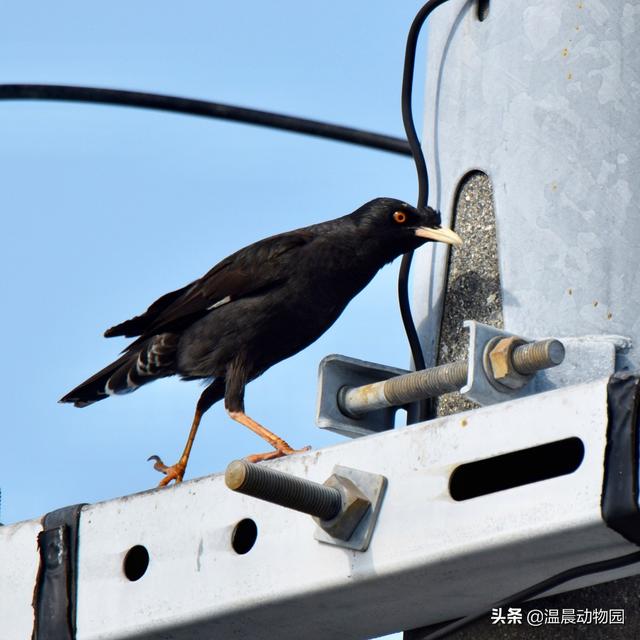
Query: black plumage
[{"x": 257, "y": 307}]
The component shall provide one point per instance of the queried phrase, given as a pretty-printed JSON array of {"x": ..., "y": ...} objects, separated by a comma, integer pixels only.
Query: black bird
[{"x": 257, "y": 307}]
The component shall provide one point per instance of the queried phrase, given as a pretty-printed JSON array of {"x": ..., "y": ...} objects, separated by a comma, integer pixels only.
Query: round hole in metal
[
  {"x": 136, "y": 562},
  {"x": 483, "y": 10},
  {"x": 244, "y": 536}
]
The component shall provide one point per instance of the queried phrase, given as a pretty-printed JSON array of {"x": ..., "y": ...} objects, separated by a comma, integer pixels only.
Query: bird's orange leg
[
  {"x": 213, "y": 393},
  {"x": 280, "y": 446},
  {"x": 176, "y": 471}
]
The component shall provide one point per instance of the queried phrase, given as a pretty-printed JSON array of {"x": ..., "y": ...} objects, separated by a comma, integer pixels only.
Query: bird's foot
[
  {"x": 174, "y": 472},
  {"x": 278, "y": 453}
]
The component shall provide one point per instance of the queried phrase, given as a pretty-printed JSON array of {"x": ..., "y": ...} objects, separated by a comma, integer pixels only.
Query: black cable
[
  {"x": 407, "y": 95},
  {"x": 206, "y": 109},
  {"x": 425, "y": 408},
  {"x": 540, "y": 587}
]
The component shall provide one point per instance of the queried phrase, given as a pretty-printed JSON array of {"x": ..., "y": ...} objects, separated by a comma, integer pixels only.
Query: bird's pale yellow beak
[{"x": 440, "y": 234}]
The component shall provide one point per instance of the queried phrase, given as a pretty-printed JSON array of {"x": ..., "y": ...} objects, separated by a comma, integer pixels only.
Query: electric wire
[
  {"x": 537, "y": 589},
  {"x": 205, "y": 109},
  {"x": 425, "y": 408}
]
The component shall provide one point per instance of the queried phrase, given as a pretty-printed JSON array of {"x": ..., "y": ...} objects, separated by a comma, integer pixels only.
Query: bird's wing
[
  {"x": 137, "y": 325},
  {"x": 252, "y": 270}
]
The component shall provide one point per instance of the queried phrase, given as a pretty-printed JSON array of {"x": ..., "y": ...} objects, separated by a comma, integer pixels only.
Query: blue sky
[{"x": 106, "y": 208}]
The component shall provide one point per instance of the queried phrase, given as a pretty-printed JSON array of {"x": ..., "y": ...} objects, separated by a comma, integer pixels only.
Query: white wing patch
[{"x": 219, "y": 303}]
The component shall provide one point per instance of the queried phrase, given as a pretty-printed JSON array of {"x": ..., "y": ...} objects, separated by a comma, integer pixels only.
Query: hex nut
[
  {"x": 501, "y": 363},
  {"x": 354, "y": 507}
]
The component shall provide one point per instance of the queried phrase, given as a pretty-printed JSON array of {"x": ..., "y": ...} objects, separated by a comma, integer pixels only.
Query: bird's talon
[
  {"x": 158, "y": 465},
  {"x": 174, "y": 472}
]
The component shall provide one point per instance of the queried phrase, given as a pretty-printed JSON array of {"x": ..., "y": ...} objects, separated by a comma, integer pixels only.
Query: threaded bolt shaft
[
  {"x": 283, "y": 489},
  {"x": 395, "y": 392},
  {"x": 401, "y": 390},
  {"x": 534, "y": 356},
  {"x": 428, "y": 383}
]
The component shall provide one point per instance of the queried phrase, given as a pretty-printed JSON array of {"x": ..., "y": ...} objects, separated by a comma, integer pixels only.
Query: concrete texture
[{"x": 473, "y": 280}]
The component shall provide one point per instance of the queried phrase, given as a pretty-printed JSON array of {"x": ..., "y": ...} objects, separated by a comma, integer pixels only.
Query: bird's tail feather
[{"x": 153, "y": 359}]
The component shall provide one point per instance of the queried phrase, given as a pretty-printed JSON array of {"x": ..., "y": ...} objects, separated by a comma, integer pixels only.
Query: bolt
[
  {"x": 355, "y": 506},
  {"x": 498, "y": 363},
  {"x": 508, "y": 361},
  {"x": 404, "y": 389},
  {"x": 283, "y": 489},
  {"x": 535, "y": 356},
  {"x": 428, "y": 383},
  {"x": 511, "y": 361}
]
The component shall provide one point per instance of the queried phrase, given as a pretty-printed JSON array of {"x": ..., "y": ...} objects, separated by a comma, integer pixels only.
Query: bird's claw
[
  {"x": 158, "y": 464},
  {"x": 174, "y": 472},
  {"x": 272, "y": 455}
]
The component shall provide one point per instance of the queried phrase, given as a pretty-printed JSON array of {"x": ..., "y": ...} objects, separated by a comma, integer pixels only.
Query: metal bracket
[
  {"x": 586, "y": 358},
  {"x": 427, "y": 546},
  {"x": 345, "y": 507},
  {"x": 337, "y": 371},
  {"x": 55, "y": 591},
  {"x": 479, "y": 387},
  {"x": 373, "y": 486}
]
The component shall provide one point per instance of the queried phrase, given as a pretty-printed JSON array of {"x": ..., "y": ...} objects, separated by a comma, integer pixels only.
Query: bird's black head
[{"x": 401, "y": 227}]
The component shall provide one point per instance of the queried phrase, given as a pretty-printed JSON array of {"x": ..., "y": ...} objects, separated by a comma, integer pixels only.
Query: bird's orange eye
[{"x": 400, "y": 217}]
